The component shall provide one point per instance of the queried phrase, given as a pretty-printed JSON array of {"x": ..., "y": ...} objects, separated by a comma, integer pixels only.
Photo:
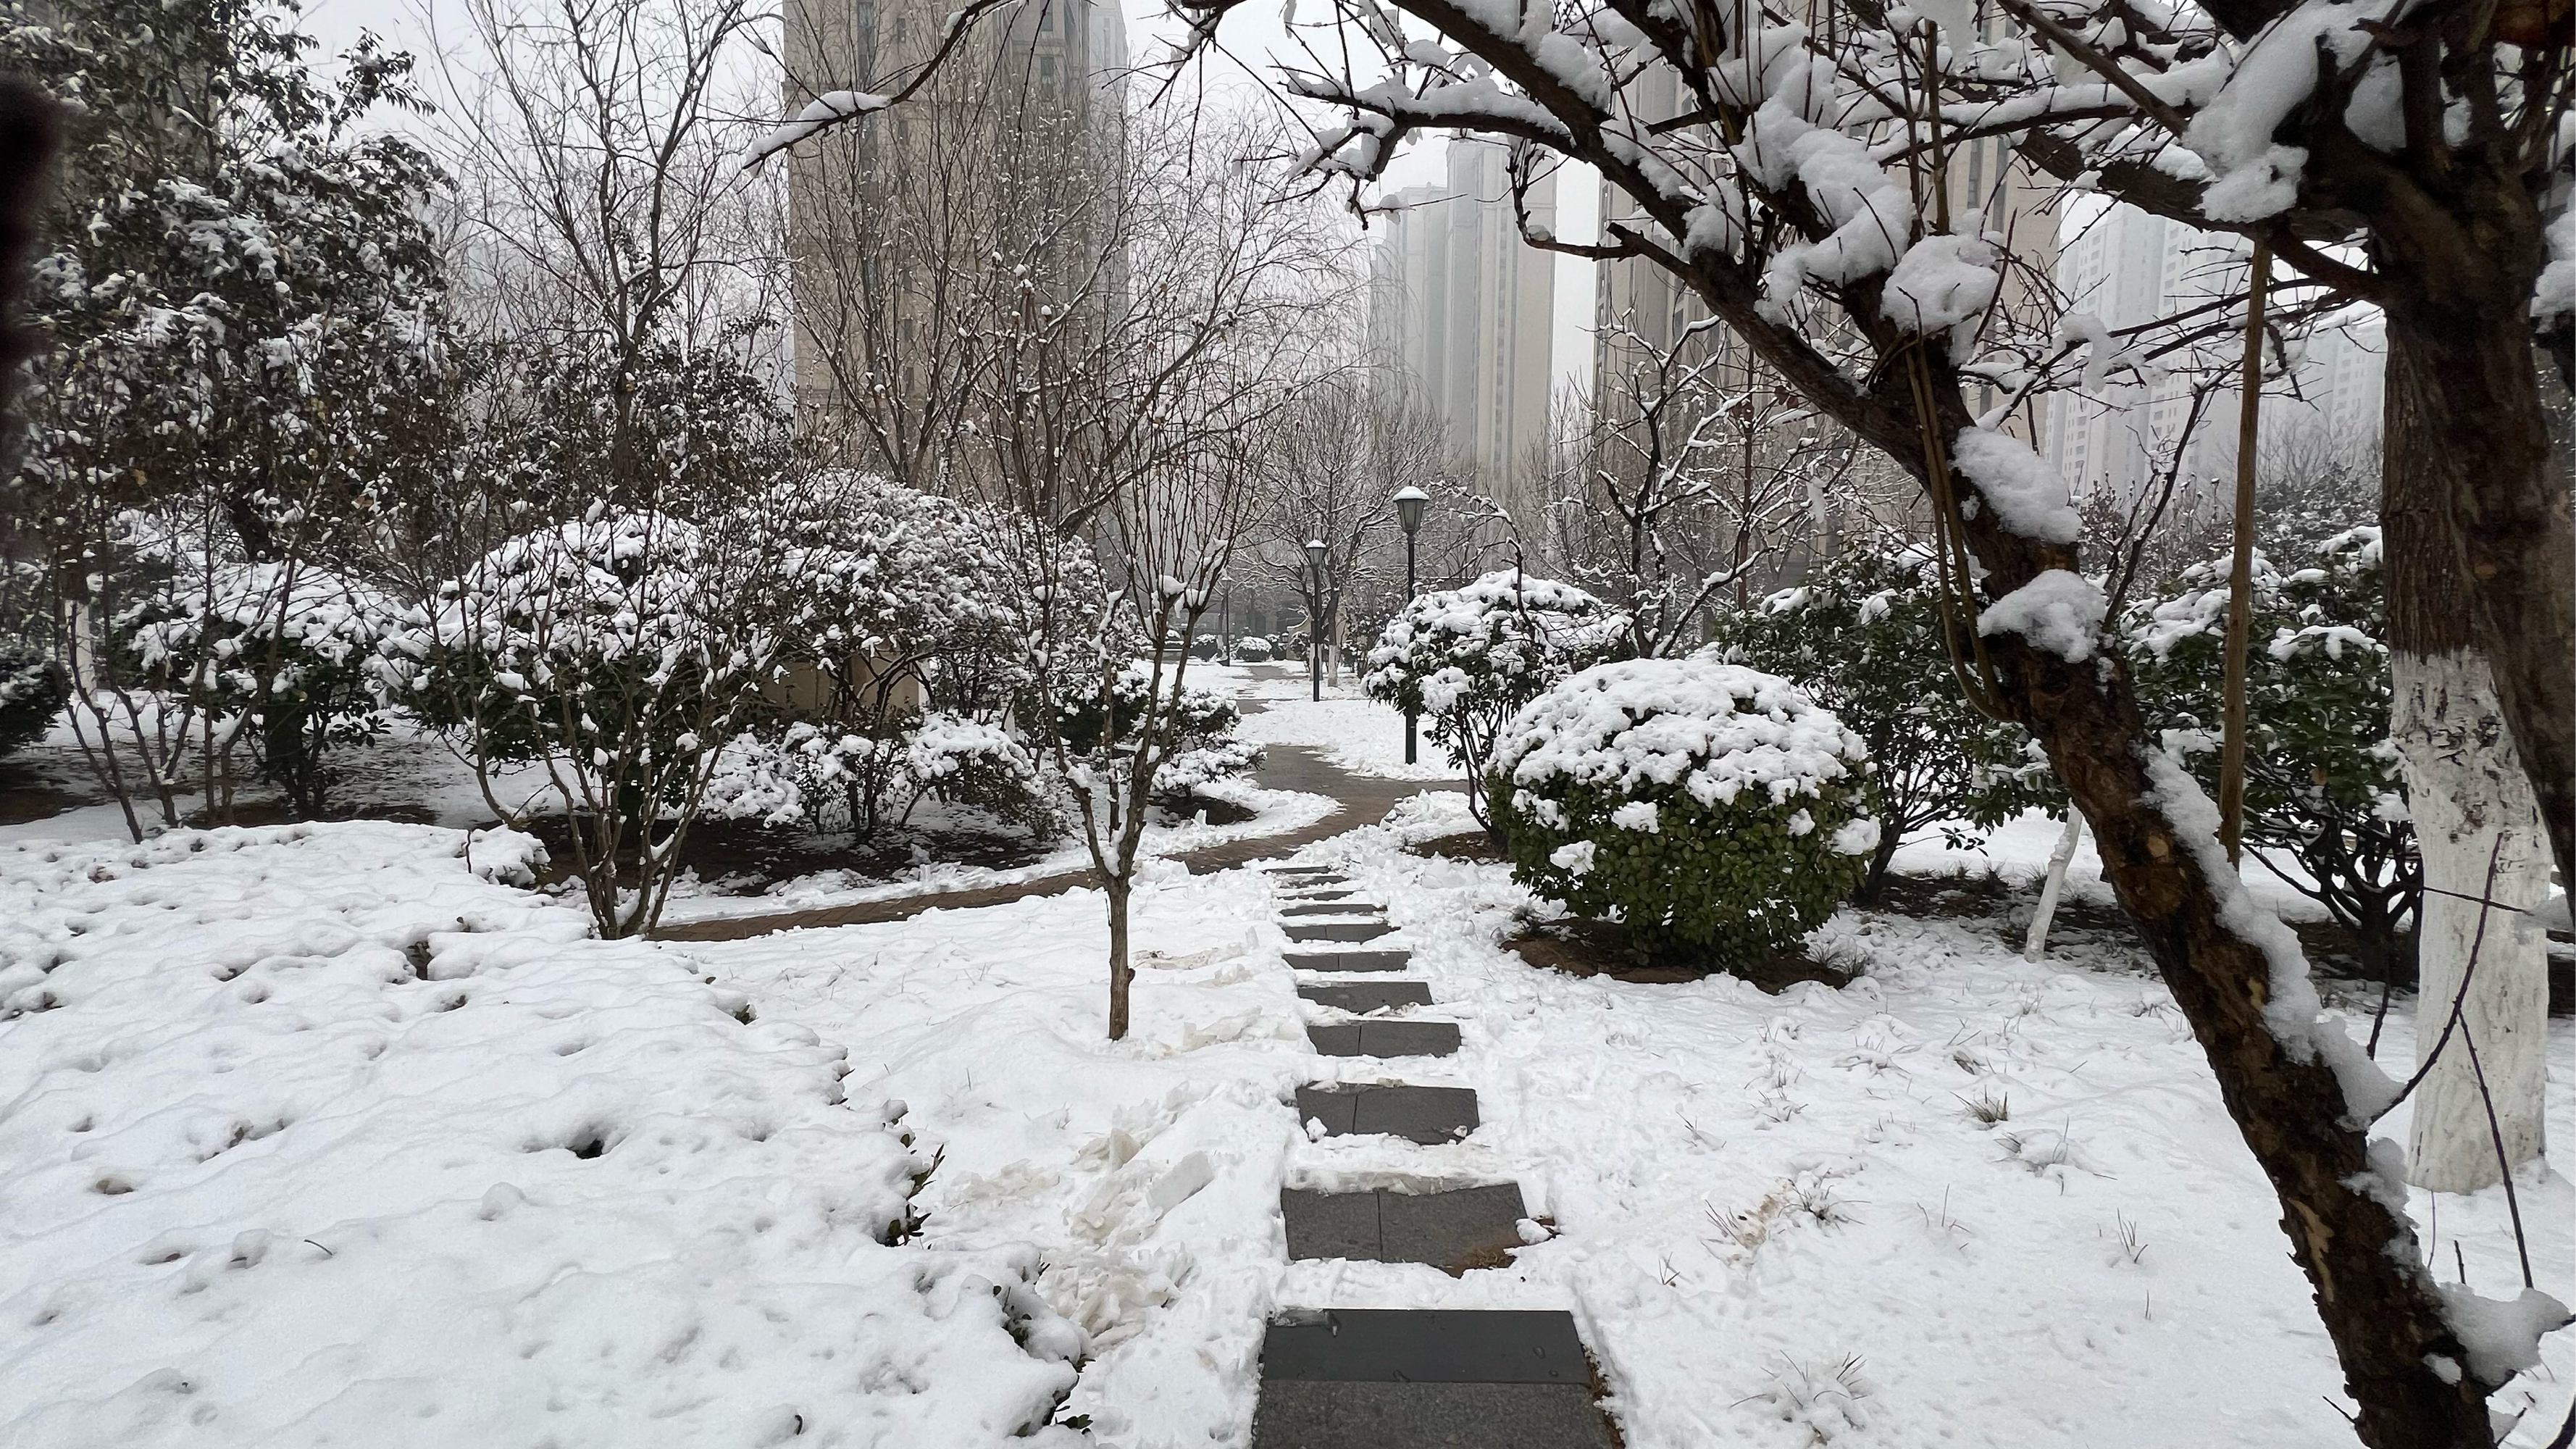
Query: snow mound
[
  {"x": 1715, "y": 729},
  {"x": 321, "y": 1134}
]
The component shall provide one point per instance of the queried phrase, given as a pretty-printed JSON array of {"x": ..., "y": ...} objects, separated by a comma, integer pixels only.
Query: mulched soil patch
[
  {"x": 745, "y": 858},
  {"x": 1601, "y": 948},
  {"x": 26, "y": 795},
  {"x": 1465, "y": 845}
]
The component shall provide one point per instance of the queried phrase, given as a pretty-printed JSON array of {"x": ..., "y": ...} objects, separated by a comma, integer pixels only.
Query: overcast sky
[{"x": 1256, "y": 39}]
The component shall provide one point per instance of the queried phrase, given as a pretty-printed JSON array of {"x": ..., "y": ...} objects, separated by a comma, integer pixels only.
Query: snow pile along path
[{"x": 321, "y": 1135}]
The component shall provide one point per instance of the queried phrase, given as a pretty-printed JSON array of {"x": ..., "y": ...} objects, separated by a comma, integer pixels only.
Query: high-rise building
[
  {"x": 891, "y": 217},
  {"x": 1462, "y": 313},
  {"x": 2126, "y": 268}
]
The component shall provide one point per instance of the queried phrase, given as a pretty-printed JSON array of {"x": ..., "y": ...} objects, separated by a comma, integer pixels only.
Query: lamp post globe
[{"x": 1410, "y": 505}]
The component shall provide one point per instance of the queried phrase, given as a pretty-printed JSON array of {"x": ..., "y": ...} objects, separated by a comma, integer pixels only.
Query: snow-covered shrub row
[
  {"x": 1718, "y": 810},
  {"x": 2323, "y": 783},
  {"x": 283, "y": 652},
  {"x": 1861, "y": 634},
  {"x": 32, "y": 689},
  {"x": 1202, "y": 721},
  {"x": 322, "y": 1134},
  {"x": 806, "y": 776},
  {"x": 614, "y": 611},
  {"x": 1465, "y": 659}
]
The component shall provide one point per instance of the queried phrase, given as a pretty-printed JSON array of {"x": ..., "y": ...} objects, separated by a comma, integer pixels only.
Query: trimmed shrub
[
  {"x": 2323, "y": 785},
  {"x": 1720, "y": 812},
  {"x": 1203, "y": 722},
  {"x": 32, "y": 692},
  {"x": 1465, "y": 659},
  {"x": 287, "y": 653},
  {"x": 1862, "y": 635},
  {"x": 1252, "y": 649}
]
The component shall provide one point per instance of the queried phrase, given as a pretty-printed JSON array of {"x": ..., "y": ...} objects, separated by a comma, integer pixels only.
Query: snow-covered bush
[
  {"x": 280, "y": 655},
  {"x": 1720, "y": 812},
  {"x": 2323, "y": 784},
  {"x": 614, "y": 649},
  {"x": 808, "y": 777},
  {"x": 1202, "y": 725},
  {"x": 1465, "y": 659},
  {"x": 1252, "y": 649},
  {"x": 1861, "y": 634},
  {"x": 32, "y": 691},
  {"x": 887, "y": 594}
]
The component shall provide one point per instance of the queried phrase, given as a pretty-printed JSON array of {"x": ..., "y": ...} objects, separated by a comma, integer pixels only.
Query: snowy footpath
[{"x": 331, "y": 1135}]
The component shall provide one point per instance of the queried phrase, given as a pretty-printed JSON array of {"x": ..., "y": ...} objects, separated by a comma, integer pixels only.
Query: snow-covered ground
[
  {"x": 1352, "y": 731},
  {"x": 1755, "y": 1198},
  {"x": 321, "y": 1135},
  {"x": 1275, "y": 812},
  {"x": 413, "y": 773}
]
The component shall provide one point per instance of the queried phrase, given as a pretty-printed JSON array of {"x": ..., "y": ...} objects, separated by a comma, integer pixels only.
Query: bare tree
[
  {"x": 1334, "y": 464},
  {"x": 1700, "y": 477}
]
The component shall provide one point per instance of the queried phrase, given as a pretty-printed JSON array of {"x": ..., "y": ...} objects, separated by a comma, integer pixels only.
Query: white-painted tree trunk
[
  {"x": 2472, "y": 806},
  {"x": 2035, "y": 945}
]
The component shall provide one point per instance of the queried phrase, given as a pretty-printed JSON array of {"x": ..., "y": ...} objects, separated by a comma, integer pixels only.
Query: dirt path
[{"x": 1360, "y": 800}]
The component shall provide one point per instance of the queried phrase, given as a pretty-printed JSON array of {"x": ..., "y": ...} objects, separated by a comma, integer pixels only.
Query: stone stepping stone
[
  {"x": 1349, "y": 960},
  {"x": 1339, "y": 931},
  {"x": 1455, "y": 1379},
  {"x": 1455, "y": 1231},
  {"x": 1432, "y": 1116},
  {"x": 1306, "y": 895},
  {"x": 1365, "y": 996},
  {"x": 1306, "y": 872},
  {"x": 1329, "y": 908},
  {"x": 1385, "y": 1038}
]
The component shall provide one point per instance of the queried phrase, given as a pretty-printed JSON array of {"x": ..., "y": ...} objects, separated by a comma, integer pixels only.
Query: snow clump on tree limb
[
  {"x": 2059, "y": 612},
  {"x": 2026, "y": 494}
]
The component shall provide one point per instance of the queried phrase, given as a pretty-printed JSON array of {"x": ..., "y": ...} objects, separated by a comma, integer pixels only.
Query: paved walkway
[
  {"x": 1364, "y": 1378},
  {"x": 1359, "y": 800}
]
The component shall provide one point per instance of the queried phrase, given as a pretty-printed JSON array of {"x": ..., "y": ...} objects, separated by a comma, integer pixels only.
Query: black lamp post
[
  {"x": 1410, "y": 504},
  {"x": 1315, "y": 551}
]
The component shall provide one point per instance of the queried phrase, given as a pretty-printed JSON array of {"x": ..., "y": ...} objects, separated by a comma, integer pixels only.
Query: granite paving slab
[
  {"x": 1456, "y": 1231},
  {"x": 1381, "y": 960},
  {"x": 1302, "y": 894},
  {"x": 1360, "y": 996},
  {"x": 1462, "y": 1228},
  {"x": 1339, "y": 931},
  {"x": 1385, "y": 1038},
  {"x": 1428, "y": 1115},
  {"x": 1332, "y": 908},
  {"x": 1337, "y": 1040},
  {"x": 1320, "y": 1414},
  {"x": 1426, "y": 1345}
]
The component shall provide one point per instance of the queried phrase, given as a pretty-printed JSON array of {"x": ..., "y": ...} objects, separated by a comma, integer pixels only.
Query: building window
[{"x": 1046, "y": 70}]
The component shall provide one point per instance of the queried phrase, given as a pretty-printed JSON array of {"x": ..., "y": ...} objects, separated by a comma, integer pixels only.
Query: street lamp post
[
  {"x": 1410, "y": 504},
  {"x": 1315, "y": 552}
]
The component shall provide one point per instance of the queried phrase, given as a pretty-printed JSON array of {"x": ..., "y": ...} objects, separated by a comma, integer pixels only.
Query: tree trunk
[
  {"x": 2473, "y": 806},
  {"x": 2239, "y": 978},
  {"x": 1117, "y": 891},
  {"x": 2461, "y": 369},
  {"x": 1873, "y": 884}
]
